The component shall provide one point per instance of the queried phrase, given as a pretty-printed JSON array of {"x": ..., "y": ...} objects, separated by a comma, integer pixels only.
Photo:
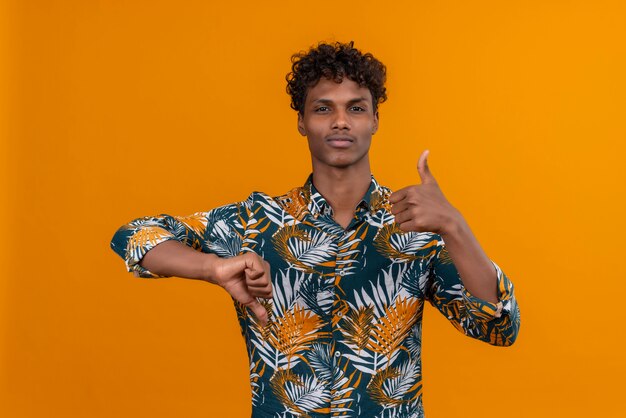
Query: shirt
[{"x": 345, "y": 319}]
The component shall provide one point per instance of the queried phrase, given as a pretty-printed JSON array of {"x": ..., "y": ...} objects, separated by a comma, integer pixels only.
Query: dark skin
[
  {"x": 339, "y": 120},
  {"x": 244, "y": 277},
  {"x": 341, "y": 173},
  {"x": 424, "y": 208}
]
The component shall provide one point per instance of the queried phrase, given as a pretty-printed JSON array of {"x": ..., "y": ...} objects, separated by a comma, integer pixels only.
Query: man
[{"x": 329, "y": 280}]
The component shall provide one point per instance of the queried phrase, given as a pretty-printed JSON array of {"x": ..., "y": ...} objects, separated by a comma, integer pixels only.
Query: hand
[
  {"x": 245, "y": 278},
  {"x": 423, "y": 207}
]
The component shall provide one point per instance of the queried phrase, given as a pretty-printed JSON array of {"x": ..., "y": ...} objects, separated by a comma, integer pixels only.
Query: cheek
[
  {"x": 314, "y": 136},
  {"x": 314, "y": 130},
  {"x": 367, "y": 129},
  {"x": 314, "y": 144}
]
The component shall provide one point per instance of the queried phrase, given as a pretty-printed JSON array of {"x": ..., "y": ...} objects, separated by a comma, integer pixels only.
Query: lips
[{"x": 339, "y": 141}]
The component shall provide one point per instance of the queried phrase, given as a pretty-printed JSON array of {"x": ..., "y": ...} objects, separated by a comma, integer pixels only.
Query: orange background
[{"x": 114, "y": 110}]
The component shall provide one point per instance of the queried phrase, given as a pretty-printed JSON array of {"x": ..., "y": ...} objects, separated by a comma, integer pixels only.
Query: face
[{"x": 339, "y": 122}]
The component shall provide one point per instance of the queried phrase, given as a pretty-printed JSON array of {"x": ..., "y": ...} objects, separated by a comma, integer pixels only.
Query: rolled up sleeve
[
  {"x": 494, "y": 323},
  {"x": 133, "y": 240}
]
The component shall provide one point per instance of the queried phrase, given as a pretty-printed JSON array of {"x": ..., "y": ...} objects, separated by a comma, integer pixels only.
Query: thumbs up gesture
[{"x": 423, "y": 207}]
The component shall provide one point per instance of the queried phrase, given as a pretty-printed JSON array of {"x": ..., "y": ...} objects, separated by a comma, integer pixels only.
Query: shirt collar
[{"x": 375, "y": 198}]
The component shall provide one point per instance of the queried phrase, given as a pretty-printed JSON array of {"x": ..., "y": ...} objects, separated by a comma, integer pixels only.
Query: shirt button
[
  {"x": 339, "y": 314},
  {"x": 342, "y": 273},
  {"x": 337, "y": 354}
]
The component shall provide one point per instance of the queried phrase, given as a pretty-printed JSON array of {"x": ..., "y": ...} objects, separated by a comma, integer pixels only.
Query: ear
[
  {"x": 301, "y": 125},
  {"x": 375, "y": 127}
]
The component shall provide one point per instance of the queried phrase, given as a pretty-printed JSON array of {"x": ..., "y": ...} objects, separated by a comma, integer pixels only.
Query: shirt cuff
[
  {"x": 489, "y": 310},
  {"x": 142, "y": 241}
]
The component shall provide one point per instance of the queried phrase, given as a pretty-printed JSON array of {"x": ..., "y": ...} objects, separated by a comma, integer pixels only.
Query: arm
[
  {"x": 187, "y": 247},
  {"x": 477, "y": 272},
  {"x": 173, "y": 258},
  {"x": 244, "y": 277},
  {"x": 466, "y": 286},
  {"x": 495, "y": 323},
  {"x": 135, "y": 239}
]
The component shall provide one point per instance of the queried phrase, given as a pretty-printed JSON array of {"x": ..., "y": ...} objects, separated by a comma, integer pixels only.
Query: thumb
[
  {"x": 258, "y": 310},
  {"x": 424, "y": 171}
]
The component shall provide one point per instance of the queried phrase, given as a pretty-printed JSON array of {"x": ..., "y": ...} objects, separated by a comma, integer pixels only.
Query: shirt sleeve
[
  {"x": 219, "y": 231},
  {"x": 495, "y": 323}
]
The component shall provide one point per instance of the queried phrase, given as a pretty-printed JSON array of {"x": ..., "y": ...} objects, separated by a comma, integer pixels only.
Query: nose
[{"x": 341, "y": 120}]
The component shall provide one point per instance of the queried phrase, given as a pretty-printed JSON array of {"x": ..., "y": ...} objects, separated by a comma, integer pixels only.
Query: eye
[
  {"x": 357, "y": 109},
  {"x": 322, "y": 109}
]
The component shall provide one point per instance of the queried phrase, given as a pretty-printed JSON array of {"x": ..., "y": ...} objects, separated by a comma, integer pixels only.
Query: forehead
[{"x": 330, "y": 90}]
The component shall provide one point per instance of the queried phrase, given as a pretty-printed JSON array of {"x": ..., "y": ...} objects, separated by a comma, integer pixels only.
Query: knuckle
[{"x": 252, "y": 256}]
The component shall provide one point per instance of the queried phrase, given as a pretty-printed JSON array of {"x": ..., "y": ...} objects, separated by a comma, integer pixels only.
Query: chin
[{"x": 342, "y": 163}]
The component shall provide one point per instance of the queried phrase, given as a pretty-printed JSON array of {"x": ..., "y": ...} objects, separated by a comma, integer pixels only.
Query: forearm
[
  {"x": 245, "y": 277},
  {"x": 476, "y": 270},
  {"x": 172, "y": 258}
]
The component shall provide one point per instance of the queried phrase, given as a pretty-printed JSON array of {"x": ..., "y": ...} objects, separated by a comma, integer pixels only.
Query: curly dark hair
[{"x": 335, "y": 61}]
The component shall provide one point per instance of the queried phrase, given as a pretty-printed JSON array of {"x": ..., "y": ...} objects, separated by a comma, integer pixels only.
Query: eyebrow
[{"x": 351, "y": 101}]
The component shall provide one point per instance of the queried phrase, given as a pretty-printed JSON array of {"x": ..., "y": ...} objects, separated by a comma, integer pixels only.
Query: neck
[{"x": 343, "y": 188}]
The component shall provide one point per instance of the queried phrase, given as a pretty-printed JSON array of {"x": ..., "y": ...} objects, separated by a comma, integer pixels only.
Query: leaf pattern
[
  {"x": 390, "y": 387},
  {"x": 294, "y": 332},
  {"x": 257, "y": 370},
  {"x": 300, "y": 394},
  {"x": 357, "y": 326},
  {"x": 401, "y": 246},
  {"x": 302, "y": 250},
  {"x": 393, "y": 327},
  {"x": 317, "y": 296},
  {"x": 344, "y": 335},
  {"x": 146, "y": 238}
]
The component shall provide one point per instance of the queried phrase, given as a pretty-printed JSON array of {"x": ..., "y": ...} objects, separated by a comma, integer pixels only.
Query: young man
[{"x": 330, "y": 279}]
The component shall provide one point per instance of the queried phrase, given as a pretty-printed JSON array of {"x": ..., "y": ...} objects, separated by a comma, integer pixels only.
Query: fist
[
  {"x": 245, "y": 278},
  {"x": 423, "y": 207}
]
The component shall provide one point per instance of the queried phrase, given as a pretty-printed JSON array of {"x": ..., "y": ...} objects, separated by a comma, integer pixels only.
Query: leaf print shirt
[{"x": 345, "y": 320}]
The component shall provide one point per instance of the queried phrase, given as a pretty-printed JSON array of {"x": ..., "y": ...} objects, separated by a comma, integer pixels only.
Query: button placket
[{"x": 338, "y": 308}]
